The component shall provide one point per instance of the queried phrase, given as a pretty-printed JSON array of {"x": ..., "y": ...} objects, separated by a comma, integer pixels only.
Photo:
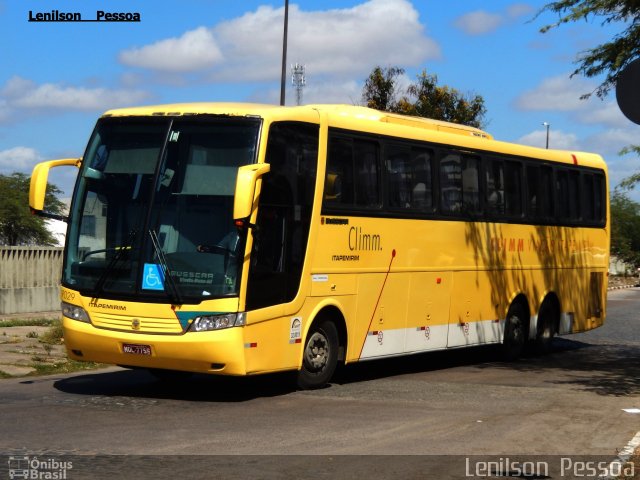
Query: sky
[{"x": 56, "y": 79}]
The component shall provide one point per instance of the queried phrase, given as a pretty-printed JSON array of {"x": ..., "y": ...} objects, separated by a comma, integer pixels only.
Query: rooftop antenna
[{"x": 298, "y": 81}]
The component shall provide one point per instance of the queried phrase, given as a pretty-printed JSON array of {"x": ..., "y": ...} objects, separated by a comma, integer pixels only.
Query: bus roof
[
  {"x": 352, "y": 111},
  {"x": 367, "y": 119}
]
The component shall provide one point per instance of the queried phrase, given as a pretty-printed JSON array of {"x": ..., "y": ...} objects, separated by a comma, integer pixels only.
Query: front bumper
[{"x": 219, "y": 352}]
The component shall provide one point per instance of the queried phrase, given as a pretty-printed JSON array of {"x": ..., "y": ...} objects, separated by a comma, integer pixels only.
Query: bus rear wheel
[
  {"x": 320, "y": 355},
  {"x": 548, "y": 317},
  {"x": 515, "y": 332}
]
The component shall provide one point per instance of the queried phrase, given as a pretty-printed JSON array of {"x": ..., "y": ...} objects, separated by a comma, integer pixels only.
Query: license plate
[{"x": 136, "y": 349}]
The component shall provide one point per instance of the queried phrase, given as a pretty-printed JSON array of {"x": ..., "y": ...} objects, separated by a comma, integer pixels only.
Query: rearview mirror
[
  {"x": 246, "y": 181},
  {"x": 38, "y": 186}
]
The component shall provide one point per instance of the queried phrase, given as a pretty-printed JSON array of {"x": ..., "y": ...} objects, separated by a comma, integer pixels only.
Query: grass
[
  {"x": 63, "y": 366},
  {"x": 43, "y": 362},
  {"x": 53, "y": 336},
  {"x": 28, "y": 322},
  {"x": 10, "y": 339}
]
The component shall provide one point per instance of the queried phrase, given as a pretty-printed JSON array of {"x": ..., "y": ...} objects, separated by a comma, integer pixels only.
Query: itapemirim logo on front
[{"x": 34, "y": 468}]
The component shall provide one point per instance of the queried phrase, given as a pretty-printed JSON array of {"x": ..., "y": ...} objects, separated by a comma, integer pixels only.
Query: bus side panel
[
  {"x": 381, "y": 315},
  {"x": 474, "y": 318},
  {"x": 271, "y": 345},
  {"x": 428, "y": 311}
]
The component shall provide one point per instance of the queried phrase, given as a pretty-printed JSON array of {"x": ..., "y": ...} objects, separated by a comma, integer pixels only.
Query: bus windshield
[{"x": 152, "y": 213}]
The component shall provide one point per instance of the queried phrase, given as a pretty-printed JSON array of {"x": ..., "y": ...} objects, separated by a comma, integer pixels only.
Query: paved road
[{"x": 450, "y": 403}]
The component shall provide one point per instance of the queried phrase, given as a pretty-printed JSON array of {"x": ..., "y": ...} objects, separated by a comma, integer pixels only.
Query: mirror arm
[{"x": 52, "y": 216}]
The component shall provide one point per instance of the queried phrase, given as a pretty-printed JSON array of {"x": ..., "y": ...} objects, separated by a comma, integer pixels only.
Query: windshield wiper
[
  {"x": 173, "y": 291},
  {"x": 120, "y": 251}
]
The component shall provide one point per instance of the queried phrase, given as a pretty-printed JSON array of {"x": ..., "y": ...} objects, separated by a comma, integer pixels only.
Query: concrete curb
[{"x": 622, "y": 287}]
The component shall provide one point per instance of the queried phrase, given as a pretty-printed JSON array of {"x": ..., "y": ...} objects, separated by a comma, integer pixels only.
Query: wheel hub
[{"x": 317, "y": 351}]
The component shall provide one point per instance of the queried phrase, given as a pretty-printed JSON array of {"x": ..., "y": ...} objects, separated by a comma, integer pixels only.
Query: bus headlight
[
  {"x": 205, "y": 323},
  {"x": 74, "y": 312}
]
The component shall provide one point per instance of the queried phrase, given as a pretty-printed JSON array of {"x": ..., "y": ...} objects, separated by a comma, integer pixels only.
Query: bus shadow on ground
[
  {"x": 603, "y": 369},
  {"x": 197, "y": 388}
]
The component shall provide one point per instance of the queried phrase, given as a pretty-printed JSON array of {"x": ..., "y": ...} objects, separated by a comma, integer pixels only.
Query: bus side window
[
  {"x": 471, "y": 185},
  {"x": 353, "y": 173},
  {"x": 422, "y": 181},
  {"x": 450, "y": 183},
  {"x": 532, "y": 192},
  {"x": 367, "y": 179},
  {"x": 338, "y": 185},
  {"x": 593, "y": 194},
  {"x": 398, "y": 176},
  {"x": 495, "y": 187},
  {"x": 513, "y": 189},
  {"x": 545, "y": 199}
]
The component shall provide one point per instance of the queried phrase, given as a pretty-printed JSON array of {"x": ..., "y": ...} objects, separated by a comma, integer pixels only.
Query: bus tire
[
  {"x": 515, "y": 332},
  {"x": 320, "y": 355},
  {"x": 548, "y": 317}
]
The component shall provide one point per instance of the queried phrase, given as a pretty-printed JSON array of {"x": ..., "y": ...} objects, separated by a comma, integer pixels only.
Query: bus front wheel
[{"x": 320, "y": 355}]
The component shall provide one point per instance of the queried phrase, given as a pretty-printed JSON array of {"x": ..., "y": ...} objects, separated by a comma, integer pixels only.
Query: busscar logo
[{"x": 334, "y": 221}]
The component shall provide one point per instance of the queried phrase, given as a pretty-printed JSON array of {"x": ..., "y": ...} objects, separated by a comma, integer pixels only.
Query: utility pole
[
  {"x": 284, "y": 52},
  {"x": 298, "y": 81}
]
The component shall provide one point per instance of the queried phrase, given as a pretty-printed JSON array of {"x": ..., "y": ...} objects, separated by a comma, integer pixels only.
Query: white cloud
[
  {"x": 604, "y": 113},
  {"x": 18, "y": 159},
  {"x": 621, "y": 168},
  {"x": 193, "y": 51},
  {"x": 479, "y": 22},
  {"x": 19, "y": 96},
  {"x": 558, "y": 140},
  {"x": 518, "y": 10},
  {"x": 610, "y": 142},
  {"x": 560, "y": 93},
  {"x": 339, "y": 42},
  {"x": 24, "y": 93}
]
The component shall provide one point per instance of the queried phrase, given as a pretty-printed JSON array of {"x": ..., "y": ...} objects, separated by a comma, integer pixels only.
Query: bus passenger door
[{"x": 428, "y": 311}]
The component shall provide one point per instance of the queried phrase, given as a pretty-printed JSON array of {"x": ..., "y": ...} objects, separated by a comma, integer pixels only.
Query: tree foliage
[
  {"x": 610, "y": 57},
  {"x": 423, "y": 98},
  {"x": 625, "y": 228},
  {"x": 17, "y": 225},
  {"x": 379, "y": 89}
]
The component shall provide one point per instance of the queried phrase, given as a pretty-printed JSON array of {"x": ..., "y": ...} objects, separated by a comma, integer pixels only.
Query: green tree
[
  {"x": 17, "y": 225},
  {"x": 423, "y": 98},
  {"x": 379, "y": 89},
  {"x": 427, "y": 99},
  {"x": 610, "y": 57},
  {"x": 625, "y": 228}
]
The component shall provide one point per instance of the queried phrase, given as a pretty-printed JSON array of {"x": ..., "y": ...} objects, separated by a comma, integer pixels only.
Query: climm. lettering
[{"x": 360, "y": 241}]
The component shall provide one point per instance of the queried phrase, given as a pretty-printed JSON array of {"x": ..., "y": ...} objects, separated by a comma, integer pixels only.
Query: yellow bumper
[{"x": 219, "y": 352}]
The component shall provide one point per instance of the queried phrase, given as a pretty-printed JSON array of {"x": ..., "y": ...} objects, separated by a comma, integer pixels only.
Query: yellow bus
[{"x": 239, "y": 239}]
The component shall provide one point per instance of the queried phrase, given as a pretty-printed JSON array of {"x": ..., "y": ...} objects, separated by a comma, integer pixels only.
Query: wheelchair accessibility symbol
[{"x": 153, "y": 278}]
